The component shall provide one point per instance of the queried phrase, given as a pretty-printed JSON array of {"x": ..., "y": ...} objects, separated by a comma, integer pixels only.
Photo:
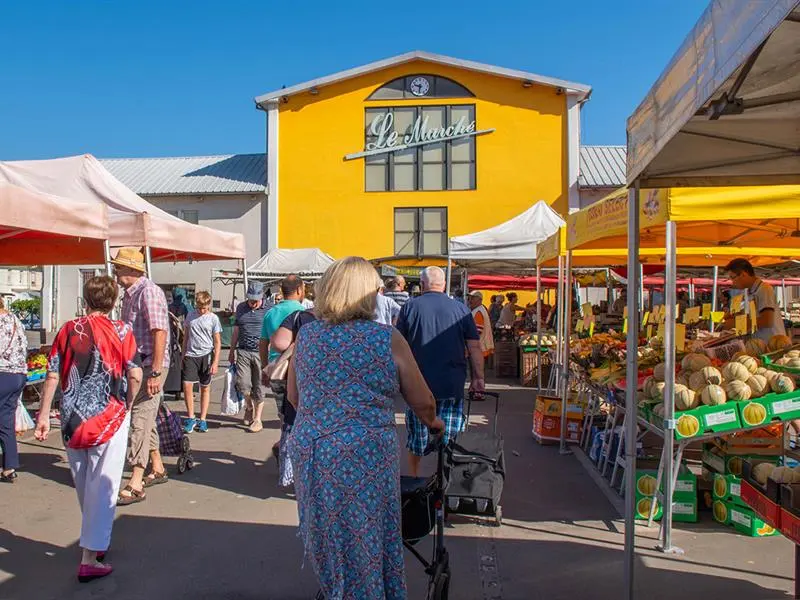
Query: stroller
[
  {"x": 172, "y": 441},
  {"x": 422, "y": 501},
  {"x": 477, "y": 469}
]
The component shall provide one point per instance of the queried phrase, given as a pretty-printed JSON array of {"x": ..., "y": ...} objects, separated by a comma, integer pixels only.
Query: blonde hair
[
  {"x": 347, "y": 291},
  {"x": 202, "y": 299},
  {"x": 2, "y": 303}
]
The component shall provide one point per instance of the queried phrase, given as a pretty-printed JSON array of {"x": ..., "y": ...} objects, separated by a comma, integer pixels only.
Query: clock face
[{"x": 419, "y": 86}]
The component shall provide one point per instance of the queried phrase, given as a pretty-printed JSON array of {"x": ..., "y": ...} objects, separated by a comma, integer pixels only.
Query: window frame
[
  {"x": 447, "y": 159},
  {"x": 404, "y": 93},
  {"x": 419, "y": 229}
]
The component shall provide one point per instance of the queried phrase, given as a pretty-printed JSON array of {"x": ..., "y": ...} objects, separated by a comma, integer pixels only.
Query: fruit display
[
  {"x": 530, "y": 339},
  {"x": 779, "y": 342},
  {"x": 37, "y": 366}
]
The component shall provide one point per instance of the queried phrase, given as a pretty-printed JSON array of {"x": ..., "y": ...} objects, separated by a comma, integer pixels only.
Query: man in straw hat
[{"x": 144, "y": 307}]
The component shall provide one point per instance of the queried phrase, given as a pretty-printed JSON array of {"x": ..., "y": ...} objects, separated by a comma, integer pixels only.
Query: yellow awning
[{"x": 714, "y": 224}]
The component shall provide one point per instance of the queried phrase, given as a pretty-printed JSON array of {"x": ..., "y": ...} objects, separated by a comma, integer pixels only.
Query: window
[
  {"x": 420, "y": 86},
  {"x": 190, "y": 216},
  {"x": 446, "y": 165},
  {"x": 420, "y": 231}
]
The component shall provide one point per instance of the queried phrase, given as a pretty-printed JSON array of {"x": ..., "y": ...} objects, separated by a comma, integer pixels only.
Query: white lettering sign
[{"x": 420, "y": 134}]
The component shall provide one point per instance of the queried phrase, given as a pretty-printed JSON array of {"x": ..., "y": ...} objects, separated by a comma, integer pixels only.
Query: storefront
[{"x": 392, "y": 158}]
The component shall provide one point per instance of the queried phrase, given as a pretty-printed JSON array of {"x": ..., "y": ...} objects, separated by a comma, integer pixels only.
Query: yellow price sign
[
  {"x": 753, "y": 317},
  {"x": 706, "y": 311},
  {"x": 579, "y": 326},
  {"x": 680, "y": 337},
  {"x": 661, "y": 330},
  {"x": 591, "y": 328},
  {"x": 718, "y": 317},
  {"x": 625, "y": 325},
  {"x": 646, "y": 318},
  {"x": 625, "y": 312},
  {"x": 692, "y": 315},
  {"x": 649, "y": 331},
  {"x": 737, "y": 303}
]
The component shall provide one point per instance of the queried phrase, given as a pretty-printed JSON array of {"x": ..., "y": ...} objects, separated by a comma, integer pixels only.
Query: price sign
[
  {"x": 680, "y": 337},
  {"x": 692, "y": 315},
  {"x": 649, "y": 331},
  {"x": 718, "y": 317},
  {"x": 591, "y": 328},
  {"x": 706, "y": 311},
  {"x": 740, "y": 324},
  {"x": 625, "y": 312},
  {"x": 753, "y": 317},
  {"x": 661, "y": 330},
  {"x": 737, "y": 304},
  {"x": 625, "y": 325},
  {"x": 646, "y": 318}
]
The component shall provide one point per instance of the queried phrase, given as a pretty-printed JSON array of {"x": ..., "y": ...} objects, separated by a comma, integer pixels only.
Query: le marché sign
[{"x": 420, "y": 134}]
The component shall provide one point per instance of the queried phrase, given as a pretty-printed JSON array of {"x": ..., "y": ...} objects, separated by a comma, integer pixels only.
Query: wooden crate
[
  {"x": 529, "y": 368},
  {"x": 506, "y": 359}
]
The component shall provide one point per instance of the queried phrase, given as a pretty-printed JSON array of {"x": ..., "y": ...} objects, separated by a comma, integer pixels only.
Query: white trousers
[{"x": 97, "y": 473}]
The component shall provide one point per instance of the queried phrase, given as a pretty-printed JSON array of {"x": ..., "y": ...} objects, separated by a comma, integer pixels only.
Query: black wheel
[
  {"x": 185, "y": 444},
  {"x": 182, "y": 464},
  {"x": 498, "y": 516},
  {"x": 190, "y": 462}
]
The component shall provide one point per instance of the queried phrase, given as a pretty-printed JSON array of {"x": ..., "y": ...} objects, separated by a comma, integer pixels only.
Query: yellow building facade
[{"x": 393, "y": 158}]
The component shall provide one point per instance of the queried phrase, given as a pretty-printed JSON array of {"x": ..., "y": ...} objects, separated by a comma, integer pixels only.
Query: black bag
[{"x": 477, "y": 466}]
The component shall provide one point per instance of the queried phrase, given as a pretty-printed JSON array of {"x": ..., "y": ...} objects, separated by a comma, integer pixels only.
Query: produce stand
[{"x": 711, "y": 122}]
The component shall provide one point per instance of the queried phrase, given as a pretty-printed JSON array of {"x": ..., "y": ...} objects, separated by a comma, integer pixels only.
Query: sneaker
[
  {"x": 202, "y": 426},
  {"x": 189, "y": 425}
]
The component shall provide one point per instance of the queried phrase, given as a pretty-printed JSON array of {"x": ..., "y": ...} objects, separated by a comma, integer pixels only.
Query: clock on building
[{"x": 419, "y": 86}]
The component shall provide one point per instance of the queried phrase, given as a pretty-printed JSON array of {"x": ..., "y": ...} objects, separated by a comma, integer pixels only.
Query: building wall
[
  {"x": 321, "y": 199},
  {"x": 589, "y": 196},
  {"x": 243, "y": 214}
]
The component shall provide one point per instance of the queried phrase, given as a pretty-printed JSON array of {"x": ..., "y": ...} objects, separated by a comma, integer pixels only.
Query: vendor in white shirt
[{"x": 769, "y": 320}]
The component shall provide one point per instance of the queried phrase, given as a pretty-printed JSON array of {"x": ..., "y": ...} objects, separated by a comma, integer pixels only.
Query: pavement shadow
[{"x": 43, "y": 462}]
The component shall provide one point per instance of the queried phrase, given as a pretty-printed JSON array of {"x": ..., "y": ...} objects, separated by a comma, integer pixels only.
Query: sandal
[
  {"x": 134, "y": 497},
  {"x": 155, "y": 478}
]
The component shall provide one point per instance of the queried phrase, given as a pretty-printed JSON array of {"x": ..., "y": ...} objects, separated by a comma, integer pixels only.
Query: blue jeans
[{"x": 11, "y": 385}]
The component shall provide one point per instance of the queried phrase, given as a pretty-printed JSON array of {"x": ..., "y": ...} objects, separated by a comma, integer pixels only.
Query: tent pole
[
  {"x": 559, "y": 319},
  {"x": 539, "y": 327},
  {"x": 565, "y": 374},
  {"x": 107, "y": 256},
  {"x": 244, "y": 277},
  {"x": 641, "y": 287},
  {"x": 670, "y": 301},
  {"x": 785, "y": 304},
  {"x": 631, "y": 383},
  {"x": 148, "y": 262},
  {"x": 449, "y": 267}
]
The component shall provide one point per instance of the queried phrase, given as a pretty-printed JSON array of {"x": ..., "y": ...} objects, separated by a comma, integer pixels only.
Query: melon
[
  {"x": 782, "y": 384},
  {"x": 711, "y": 375},
  {"x": 750, "y": 363},
  {"x": 713, "y": 395},
  {"x": 697, "y": 381},
  {"x": 738, "y": 390},
  {"x": 794, "y": 363},
  {"x": 761, "y": 370},
  {"x": 792, "y": 354},
  {"x": 735, "y": 370},
  {"x": 659, "y": 371},
  {"x": 658, "y": 390},
  {"x": 682, "y": 378},
  {"x": 755, "y": 347},
  {"x": 695, "y": 361},
  {"x": 779, "y": 342},
  {"x": 762, "y": 471},
  {"x": 658, "y": 409},
  {"x": 770, "y": 375},
  {"x": 685, "y": 399},
  {"x": 758, "y": 385}
]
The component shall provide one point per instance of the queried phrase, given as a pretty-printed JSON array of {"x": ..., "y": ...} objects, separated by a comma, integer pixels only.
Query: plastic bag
[
  {"x": 22, "y": 420},
  {"x": 232, "y": 400}
]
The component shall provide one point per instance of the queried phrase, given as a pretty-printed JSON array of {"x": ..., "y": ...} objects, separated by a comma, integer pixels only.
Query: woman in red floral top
[{"x": 95, "y": 360}]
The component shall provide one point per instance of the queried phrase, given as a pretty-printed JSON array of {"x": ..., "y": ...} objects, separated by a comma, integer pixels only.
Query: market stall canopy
[
  {"x": 43, "y": 229},
  {"x": 277, "y": 263},
  {"x": 713, "y": 224},
  {"x": 726, "y": 110},
  {"x": 132, "y": 220},
  {"x": 509, "y": 246}
]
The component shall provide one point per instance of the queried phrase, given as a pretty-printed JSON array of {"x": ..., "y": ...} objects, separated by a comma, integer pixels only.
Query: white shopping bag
[
  {"x": 22, "y": 419},
  {"x": 231, "y": 399}
]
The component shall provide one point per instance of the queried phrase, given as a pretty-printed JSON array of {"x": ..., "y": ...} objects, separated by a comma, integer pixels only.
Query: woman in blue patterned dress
[{"x": 344, "y": 376}]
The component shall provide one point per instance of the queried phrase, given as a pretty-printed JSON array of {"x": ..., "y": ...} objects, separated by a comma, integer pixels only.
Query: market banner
[
  {"x": 552, "y": 247},
  {"x": 609, "y": 216}
]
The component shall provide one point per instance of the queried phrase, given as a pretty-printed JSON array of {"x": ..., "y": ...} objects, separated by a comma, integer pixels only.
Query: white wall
[{"x": 243, "y": 214}]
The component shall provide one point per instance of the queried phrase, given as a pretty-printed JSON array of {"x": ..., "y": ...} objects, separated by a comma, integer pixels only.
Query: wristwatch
[{"x": 155, "y": 374}]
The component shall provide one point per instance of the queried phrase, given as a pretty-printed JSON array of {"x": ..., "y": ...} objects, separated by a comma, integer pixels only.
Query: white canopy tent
[
  {"x": 508, "y": 247},
  {"x": 309, "y": 263},
  {"x": 726, "y": 111}
]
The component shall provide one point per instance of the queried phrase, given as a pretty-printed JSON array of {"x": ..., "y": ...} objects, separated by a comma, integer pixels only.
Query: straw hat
[{"x": 131, "y": 258}]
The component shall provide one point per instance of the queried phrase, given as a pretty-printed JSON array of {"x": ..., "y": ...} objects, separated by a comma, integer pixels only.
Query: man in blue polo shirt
[{"x": 441, "y": 333}]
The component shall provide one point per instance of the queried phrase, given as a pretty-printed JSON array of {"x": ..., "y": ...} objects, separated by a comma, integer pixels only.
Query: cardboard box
[
  {"x": 685, "y": 487},
  {"x": 551, "y": 406},
  {"x": 728, "y": 488},
  {"x": 547, "y": 428},
  {"x": 746, "y": 522},
  {"x": 730, "y": 464},
  {"x": 706, "y": 419},
  {"x": 682, "y": 511},
  {"x": 777, "y": 407}
]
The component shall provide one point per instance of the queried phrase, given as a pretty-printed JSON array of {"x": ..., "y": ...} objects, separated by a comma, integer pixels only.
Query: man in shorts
[
  {"x": 244, "y": 353},
  {"x": 442, "y": 334},
  {"x": 202, "y": 342}
]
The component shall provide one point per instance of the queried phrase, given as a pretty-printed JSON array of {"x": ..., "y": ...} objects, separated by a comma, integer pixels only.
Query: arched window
[{"x": 420, "y": 86}]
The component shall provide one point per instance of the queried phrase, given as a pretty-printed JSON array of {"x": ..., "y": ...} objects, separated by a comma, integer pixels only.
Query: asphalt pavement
[{"x": 225, "y": 530}]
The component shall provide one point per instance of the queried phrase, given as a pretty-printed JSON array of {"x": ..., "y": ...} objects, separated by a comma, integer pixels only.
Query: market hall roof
[
  {"x": 191, "y": 175},
  {"x": 583, "y": 91},
  {"x": 602, "y": 166}
]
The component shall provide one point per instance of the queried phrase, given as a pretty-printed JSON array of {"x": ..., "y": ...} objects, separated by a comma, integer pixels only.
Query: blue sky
[{"x": 173, "y": 77}]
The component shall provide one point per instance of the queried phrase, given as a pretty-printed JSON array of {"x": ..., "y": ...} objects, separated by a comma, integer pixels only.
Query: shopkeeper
[
  {"x": 743, "y": 277},
  {"x": 508, "y": 315}
]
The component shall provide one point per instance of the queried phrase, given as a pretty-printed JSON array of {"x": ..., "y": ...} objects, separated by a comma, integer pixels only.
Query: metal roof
[
  {"x": 223, "y": 174},
  {"x": 582, "y": 90},
  {"x": 602, "y": 166}
]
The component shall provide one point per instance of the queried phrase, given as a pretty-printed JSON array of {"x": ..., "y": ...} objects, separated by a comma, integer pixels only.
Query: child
[{"x": 202, "y": 341}]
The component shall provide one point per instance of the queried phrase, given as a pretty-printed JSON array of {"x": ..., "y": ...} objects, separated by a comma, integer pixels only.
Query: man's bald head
[{"x": 433, "y": 279}]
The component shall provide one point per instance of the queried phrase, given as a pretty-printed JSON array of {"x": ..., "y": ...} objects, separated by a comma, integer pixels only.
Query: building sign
[
  {"x": 420, "y": 134},
  {"x": 392, "y": 271}
]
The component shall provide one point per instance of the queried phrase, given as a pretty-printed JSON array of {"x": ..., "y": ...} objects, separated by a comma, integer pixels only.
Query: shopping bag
[
  {"x": 170, "y": 433},
  {"x": 232, "y": 400},
  {"x": 22, "y": 420}
]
